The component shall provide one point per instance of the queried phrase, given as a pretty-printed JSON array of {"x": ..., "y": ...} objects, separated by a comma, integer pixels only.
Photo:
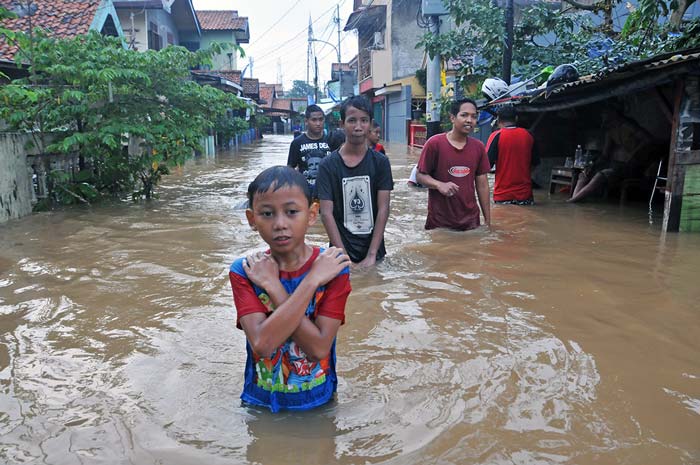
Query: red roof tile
[
  {"x": 60, "y": 18},
  {"x": 221, "y": 20},
  {"x": 267, "y": 92},
  {"x": 251, "y": 86},
  {"x": 282, "y": 104}
]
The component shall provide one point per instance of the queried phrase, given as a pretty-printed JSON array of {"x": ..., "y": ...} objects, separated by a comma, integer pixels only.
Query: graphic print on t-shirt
[
  {"x": 311, "y": 155},
  {"x": 459, "y": 171},
  {"x": 357, "y": 203}
]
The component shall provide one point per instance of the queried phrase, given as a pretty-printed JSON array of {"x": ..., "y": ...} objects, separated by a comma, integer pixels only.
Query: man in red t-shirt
[
  {"x": 512, "y": 150},
  {"x": 453, "y": 165}
]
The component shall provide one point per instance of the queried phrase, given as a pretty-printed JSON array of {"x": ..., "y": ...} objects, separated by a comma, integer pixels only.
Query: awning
[
  {"x": 328, "y": 107},
  {"x": 367, "y": 17},
  {"x": 397, "y": 84},
  {"x": 388, "y": 89}
]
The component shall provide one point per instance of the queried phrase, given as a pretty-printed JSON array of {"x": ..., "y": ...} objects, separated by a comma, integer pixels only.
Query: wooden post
[
  {"x": 682, "y": 206},
  {"x": 672, "y": 203}
]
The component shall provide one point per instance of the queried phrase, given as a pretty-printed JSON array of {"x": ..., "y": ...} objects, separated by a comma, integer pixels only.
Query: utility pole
[
  {"x": 337, "y": 21},
  {"x": 508, "y": 48},
  {"x": 309, "y": 51},
  {"x": 432, "y": 100},
  {"x": 316, "y": 80}
]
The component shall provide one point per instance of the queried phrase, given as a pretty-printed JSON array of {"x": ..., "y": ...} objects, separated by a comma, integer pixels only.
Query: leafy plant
[
  {"x": 130, "y": 116},
  {"x": 546, "y": 36}
]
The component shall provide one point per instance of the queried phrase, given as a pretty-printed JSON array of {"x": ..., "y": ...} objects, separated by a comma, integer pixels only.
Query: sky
[{"x": 278, "y": 36}]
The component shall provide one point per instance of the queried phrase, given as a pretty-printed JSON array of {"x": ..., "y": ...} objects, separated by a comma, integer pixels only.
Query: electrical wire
[
  {"x": 303, "y": 31},
  {"x": 257, "y": 39}
]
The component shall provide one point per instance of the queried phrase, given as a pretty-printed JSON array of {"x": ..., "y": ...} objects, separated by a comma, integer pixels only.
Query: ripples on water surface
[{"x": 567, "y": 335}]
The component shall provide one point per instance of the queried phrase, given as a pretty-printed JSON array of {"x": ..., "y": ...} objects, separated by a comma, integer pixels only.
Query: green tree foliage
[
  {"x": 300, "y": 89},
  {"x": 92, "y": 96},
  {"x": 544, "y": 35},
  {"x": 229, "y": 127},
  {"x": 4, "y": 32}
]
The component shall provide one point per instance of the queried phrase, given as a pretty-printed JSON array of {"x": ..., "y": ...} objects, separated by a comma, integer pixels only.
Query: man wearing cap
[{"x": 512, "y": 151}]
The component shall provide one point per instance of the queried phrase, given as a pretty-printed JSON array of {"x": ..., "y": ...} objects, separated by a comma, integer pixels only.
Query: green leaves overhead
[
  {"x": 92, "y": 96},
  {"x": 544, "y": 35}
]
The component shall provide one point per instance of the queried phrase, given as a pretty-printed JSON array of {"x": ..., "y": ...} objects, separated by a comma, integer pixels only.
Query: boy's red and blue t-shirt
[{"x": 287, "y": 379}]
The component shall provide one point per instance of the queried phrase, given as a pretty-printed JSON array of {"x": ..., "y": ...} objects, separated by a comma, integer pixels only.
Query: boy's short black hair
[
  {"x": 358, "y": 101},
  {"x": 312, "y": 109},
  {"x": 275, "y": 178},
  {"x": 375, "y": 124},
  {"x": 457, "y": 104}
]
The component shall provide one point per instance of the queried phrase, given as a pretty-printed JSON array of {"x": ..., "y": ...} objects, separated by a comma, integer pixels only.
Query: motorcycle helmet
[
  {"x": 562, "y": 74},
  {"x": 494, "y": 88}
]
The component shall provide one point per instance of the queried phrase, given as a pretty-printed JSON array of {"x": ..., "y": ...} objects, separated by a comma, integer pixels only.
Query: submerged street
[{"x": 566, "y": 334}]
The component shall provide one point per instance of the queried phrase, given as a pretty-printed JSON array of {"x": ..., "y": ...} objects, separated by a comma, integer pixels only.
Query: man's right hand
[
  {"x": 448, "y": 189},
  {"x": 328, "y": 264}
]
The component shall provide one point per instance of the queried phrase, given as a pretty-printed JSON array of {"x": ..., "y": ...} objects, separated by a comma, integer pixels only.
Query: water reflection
[{"x": 567, "y": 334}]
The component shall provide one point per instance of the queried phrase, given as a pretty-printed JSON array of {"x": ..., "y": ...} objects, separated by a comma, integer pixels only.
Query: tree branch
[{"x": 582, "y": 6}]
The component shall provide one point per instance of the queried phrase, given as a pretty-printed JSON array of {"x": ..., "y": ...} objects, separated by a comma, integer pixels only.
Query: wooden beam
[
  {"x": 674, "y": 185},
  {"x": 688, "y": 157},
  {"x": 663, "y": 103}
]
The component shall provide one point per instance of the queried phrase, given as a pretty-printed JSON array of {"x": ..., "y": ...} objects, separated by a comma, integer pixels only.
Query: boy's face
[
  {"x": 465, "y": 120},
  {"x": 374, "y": 135},
  {"x": 356, "y": 126},
  {"x": 282, "y": 217},
  {"x": 314, "y": 124}
]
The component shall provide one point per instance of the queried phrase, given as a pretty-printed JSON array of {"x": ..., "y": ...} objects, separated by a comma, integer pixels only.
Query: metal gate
[{"x": 398, "y": 114}]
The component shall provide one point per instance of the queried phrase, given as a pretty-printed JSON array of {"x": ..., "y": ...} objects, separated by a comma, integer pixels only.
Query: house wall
[
  {"x": 106, "y": 10},
  {"x": 141, "y": 21},
  {"x": 15, "y": 179},
  {"x": 221, "y": 61},
  {"x": 406, "y": 58},
  {"x": 135, "y": 32},
  {"x": 381, "y": 67},
  {"x": 165, "y": 24}
]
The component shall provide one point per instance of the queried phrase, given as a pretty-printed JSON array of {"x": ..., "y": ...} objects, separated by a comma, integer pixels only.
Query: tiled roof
[
  {"x": 61, "y": 18},
  {"x": 221, "y": 20},
  {"x": 267, "y": 92},
  {"x": 282, "y": 104},
  {"x": 233, "y": 75},
  {"x": 251, "y": 86},
  {"x": 610, "y": 81}
]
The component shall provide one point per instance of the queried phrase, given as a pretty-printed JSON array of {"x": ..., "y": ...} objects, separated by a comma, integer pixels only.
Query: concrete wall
[
  {"x": 406, "y": 58},
  {"x": 221, "y": 61},
  {"x": 142, "y": 19},
  {"x": 381, "y": 67},
  {"x": 138, "y": 28},
  {"x": 15, "y": 179}
]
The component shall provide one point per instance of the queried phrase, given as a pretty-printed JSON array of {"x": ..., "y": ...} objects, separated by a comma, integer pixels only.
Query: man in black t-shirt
[
  {"x": 354, "y": 187},
  {"x": 307, "y": 150}
]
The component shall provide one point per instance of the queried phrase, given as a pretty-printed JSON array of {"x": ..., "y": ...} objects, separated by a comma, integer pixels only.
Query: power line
[
  {"x": 303, "y": 31},
  {"x": 278, "y": 21}
]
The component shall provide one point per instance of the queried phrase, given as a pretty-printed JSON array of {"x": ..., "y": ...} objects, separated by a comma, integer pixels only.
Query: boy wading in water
[
  {"x": 354, "y": 185},
  {"x": 290, "y": 300}
]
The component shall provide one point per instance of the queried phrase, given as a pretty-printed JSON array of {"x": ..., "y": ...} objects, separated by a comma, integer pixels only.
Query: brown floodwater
[{"x": 568, "y": 334}]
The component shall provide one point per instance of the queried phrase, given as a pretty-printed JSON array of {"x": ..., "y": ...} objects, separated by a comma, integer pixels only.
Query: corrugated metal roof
[{"x": 626, "y": 77}]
